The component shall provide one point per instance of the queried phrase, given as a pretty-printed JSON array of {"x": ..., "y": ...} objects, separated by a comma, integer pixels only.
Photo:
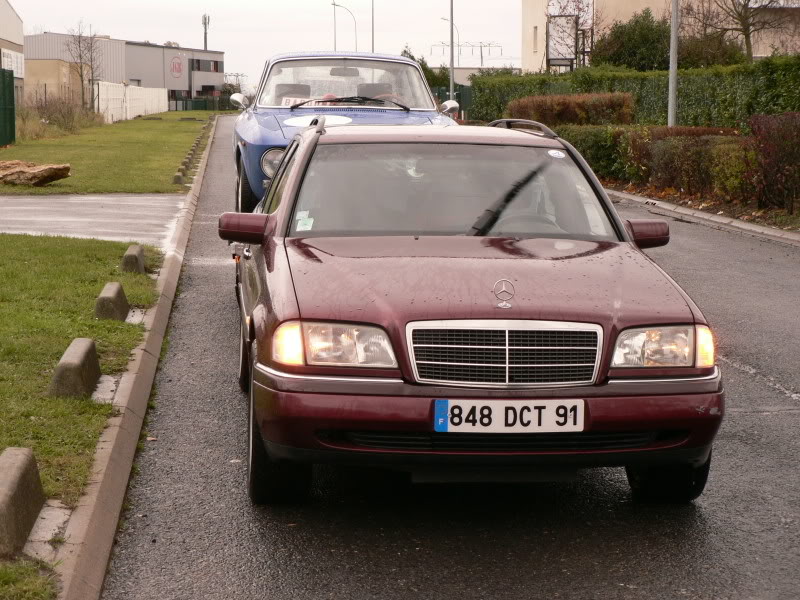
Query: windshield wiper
[
  {"x": 490, "y": 216},
  {"x": 352, "y": 99}
]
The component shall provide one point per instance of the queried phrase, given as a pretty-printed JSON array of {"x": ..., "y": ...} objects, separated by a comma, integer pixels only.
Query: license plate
[{"x": 481, "y": 416}]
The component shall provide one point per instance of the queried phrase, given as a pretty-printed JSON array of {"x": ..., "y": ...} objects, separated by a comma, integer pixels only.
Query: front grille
[
  {"x": 505, "y": 353},
  {"x": 503, "y": 442}
]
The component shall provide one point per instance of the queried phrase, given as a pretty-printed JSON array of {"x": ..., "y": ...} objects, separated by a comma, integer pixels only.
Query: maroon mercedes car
[{"x": 463, "y": 303}]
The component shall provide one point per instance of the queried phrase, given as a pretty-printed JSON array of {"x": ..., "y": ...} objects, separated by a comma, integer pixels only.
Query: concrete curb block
[
  {"x": 82, "y": 559},
  {"x": 133, "y": 259},
  {"x": 78, "y": 370},
  {"x": 718, "y": 221},
  {"x": 21, "y": 498},
  {"x": 112, "y": 303}
]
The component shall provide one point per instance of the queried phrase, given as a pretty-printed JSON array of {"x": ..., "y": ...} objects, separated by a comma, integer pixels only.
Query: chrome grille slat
[{"x": 507, "y": 353}]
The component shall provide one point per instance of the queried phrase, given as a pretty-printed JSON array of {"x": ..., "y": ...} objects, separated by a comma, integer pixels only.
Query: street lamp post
[
  {"x": 672, "y": 101},
  {"x": 355, "y": 27},
  {"x": 458, "y": 42},
  {"x": 452, "y": 57}
]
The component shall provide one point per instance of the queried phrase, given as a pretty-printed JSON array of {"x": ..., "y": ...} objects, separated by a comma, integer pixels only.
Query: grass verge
[
  {"x": 26, "y": 580},
  {"x": 47, "y": 299},
  {"x": 136, "y": 156}
]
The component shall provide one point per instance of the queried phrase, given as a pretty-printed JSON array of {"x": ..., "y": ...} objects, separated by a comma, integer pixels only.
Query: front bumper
[{"x": 315, "y": 419}]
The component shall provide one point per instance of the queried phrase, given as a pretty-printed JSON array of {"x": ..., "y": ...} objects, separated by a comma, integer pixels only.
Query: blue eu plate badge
[{"x": 440, "y": 412}]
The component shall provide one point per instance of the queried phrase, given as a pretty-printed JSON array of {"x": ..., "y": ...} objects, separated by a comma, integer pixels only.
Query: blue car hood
[{"x": 295, "y": 121}]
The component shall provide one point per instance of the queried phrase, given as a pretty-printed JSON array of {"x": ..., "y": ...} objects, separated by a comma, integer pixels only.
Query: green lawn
[
  {"x": 49, "y": 285},
  {"x": 136, "y": 156},
  {"x": 26, "y": 580}
]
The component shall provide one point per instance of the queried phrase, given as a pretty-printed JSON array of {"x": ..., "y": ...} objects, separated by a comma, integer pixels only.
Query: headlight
[
  {"x": 270, "y": 161},
  {"x": 665, "y": 347},
  {"x": 332, "y": 344}
]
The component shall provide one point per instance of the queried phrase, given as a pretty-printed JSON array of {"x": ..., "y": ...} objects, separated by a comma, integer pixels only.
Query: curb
[
  {"x": 716, "y": 221},
  {"x": 82, "y": 560}
]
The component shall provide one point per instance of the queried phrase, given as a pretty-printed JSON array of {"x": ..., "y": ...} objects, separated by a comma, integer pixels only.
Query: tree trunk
[{"x": 748, "y": 45}]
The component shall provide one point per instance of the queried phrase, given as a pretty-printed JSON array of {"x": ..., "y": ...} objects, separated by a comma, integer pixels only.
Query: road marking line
[{"x": 768, "y": 381}]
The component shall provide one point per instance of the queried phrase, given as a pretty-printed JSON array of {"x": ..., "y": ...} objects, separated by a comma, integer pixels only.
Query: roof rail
[
  {"x": 508, "y": 124},
  {"x": 319, "y": 122}
]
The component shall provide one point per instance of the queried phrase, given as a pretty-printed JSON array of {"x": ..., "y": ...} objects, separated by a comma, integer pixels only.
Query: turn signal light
[
  {"x": 287, "y": 344},
  {"x": 705, "y": 347}
]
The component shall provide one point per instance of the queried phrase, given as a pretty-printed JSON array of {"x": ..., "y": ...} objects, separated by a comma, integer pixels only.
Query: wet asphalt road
[{"x": 190, "y": 531}]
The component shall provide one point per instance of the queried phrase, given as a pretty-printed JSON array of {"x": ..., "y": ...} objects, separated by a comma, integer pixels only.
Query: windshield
[
  {"x": 444, "y": 189},
  {"x": 294, "y": 81}
]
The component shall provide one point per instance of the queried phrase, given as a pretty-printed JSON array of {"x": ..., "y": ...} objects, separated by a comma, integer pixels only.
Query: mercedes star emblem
[{"x": 504, "y": 291}]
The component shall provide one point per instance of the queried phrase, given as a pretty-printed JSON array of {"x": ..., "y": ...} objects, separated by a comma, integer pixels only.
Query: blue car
[{"x": 346, "y": 87}]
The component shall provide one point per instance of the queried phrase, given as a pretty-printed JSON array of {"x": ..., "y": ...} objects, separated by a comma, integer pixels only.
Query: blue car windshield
[{"x": 294, "y": 81}]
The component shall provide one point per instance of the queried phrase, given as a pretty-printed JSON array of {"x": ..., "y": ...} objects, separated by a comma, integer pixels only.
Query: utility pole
[
  {"x": 672, "y": 101},
  {"x": 373, "y": 26},
  {"x": 334, "y": 27},
  {"x": 206, "y": 23},
  {"x": 452, "y": 57}
]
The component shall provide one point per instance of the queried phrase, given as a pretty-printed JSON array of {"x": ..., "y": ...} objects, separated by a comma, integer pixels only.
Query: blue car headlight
[{"x": 270, "y": 161}]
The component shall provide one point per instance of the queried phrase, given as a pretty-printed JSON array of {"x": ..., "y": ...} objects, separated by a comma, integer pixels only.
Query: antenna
[{"x": 206, "y": 23}]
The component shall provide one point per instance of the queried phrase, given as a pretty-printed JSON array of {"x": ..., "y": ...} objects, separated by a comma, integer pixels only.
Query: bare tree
[
  {"x": 743, "y": 19},
  {"x": 83, "y": 48},
  {"x": 585, "y": 23}
]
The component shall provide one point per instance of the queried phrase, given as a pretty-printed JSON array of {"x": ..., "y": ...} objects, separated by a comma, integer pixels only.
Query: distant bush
[
  {"x": 574, "y": 109},
  {"x": 642, "y": 43},
  {"x": 715, "y": 96},
  {"x": 54, "y": 118},
  {"x": 636, "y": 147},
  {"x": 598, "y": 144},
  {"x": 729, "y": 160},
  {"x": 775, "y": 165},
  {"x": 685, "y": 163}
]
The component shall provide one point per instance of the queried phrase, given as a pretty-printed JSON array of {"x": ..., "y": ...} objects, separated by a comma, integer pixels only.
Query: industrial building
[
  {"x": 11, "y": 46},
  {"x": 184, "y": 72}
]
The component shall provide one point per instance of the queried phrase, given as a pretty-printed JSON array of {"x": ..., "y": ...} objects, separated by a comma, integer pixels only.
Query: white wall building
[
  {"x": 11, "y": 46},
  {"x": 184, "y": 72}
]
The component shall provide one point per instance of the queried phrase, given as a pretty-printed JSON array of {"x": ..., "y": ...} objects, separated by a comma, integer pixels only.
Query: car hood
[
  {"x": 297, "y": 120},
  {"x": 393, "y": 280}
]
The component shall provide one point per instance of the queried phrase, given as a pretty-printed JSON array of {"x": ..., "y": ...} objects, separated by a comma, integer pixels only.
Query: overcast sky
[{"x": 249, "y": 31}]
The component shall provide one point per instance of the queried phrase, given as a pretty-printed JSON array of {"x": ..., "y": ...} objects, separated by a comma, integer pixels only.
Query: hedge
[
  {"x": 574, "y": 109},
  {"x": 714, "y": 96}
]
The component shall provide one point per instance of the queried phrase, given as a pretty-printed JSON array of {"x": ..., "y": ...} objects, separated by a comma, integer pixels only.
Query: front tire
[
  {"x": 672, "y": 484},
  {"x": 246, "y": 200},
  {"x": 269, "y": 481}
]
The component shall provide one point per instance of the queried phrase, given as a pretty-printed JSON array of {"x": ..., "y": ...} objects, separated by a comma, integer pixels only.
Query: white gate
[{"x": 120, "y": 102}]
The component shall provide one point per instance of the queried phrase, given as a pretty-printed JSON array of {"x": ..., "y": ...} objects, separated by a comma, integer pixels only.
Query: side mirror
[
  {"x": 449, "y": 107},
  {"x": 245, "y": 228},
  {"x": 649, "y": 233},
  {"x": 239, "y": 101}
]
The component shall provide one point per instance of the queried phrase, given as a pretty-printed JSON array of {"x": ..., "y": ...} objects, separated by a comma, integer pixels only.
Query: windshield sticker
[
  {"x": 556, "y": 153},
  {"x": 301, "y": 214},
  {"x": 306, "y": 121},
  {"x": 305, "y": 224}
]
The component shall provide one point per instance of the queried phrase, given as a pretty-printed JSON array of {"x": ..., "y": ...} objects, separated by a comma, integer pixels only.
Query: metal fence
[
  {"x": 210, "y": 103},
  {"x": 7, "y": 125},
  {"x": 463, "y": 97}
]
